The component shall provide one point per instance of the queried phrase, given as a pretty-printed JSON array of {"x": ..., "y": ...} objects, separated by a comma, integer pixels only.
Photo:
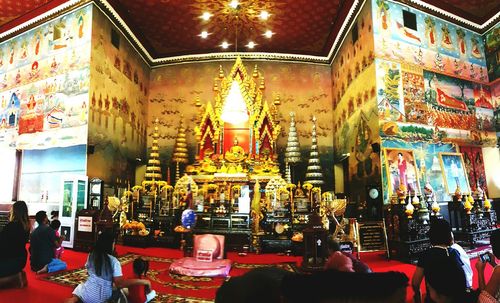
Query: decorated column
[
  {"x": 314, "y": 175},
  {"x": 180, "y": 153},
  {"x": 292, "y": 152}
]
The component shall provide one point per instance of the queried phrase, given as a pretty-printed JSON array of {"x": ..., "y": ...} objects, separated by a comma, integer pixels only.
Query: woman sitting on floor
[
  {"x": 104, "y": 270},
  {"x": 490, "y": 292},
  {"x": 13, "y": 254}
]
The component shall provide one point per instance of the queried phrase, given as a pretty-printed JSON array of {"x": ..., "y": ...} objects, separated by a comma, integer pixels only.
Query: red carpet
[{"x": 41, "y": 291}]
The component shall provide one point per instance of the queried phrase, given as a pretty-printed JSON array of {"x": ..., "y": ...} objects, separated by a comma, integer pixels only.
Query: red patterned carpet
[{"x": 172, "y": 288}]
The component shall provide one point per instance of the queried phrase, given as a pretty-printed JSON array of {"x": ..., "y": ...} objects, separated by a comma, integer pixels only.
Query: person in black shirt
[
  {"x": 441, "y": 239},
  {"x": 13, "y": 254},
  {"x": 42, "y": 243}
]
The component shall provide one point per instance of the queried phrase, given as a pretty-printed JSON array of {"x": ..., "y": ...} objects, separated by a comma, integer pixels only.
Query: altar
[{"x": 234, "y": 186}]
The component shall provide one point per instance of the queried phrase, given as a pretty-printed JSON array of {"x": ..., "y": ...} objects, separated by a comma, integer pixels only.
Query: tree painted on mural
[{"x": 391, "y": 85}]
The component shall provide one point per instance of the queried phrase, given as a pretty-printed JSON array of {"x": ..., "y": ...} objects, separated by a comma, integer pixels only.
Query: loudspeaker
[{"x": 376, "y": 147}]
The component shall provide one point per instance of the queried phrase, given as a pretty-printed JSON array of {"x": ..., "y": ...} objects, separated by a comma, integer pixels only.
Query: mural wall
[
  {"x": 492, "y": 49},
  {"x": 406, "y": 35},
  {"x": 432, "y": 93},
  {"x": 118, "y": 104},
  {"x": 355, "y": 111},
  {"x": 44, "y": 80},
  {"x": 181, "y": 92}
]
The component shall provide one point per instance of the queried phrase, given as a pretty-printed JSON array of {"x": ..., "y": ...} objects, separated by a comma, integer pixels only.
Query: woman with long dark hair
[
  {"x": 13, "y": 254},
  {"x": 104, "y": 270}
]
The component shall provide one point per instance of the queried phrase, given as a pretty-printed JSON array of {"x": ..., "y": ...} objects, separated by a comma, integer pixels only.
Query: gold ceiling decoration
[{"x": 246, "y": 19}]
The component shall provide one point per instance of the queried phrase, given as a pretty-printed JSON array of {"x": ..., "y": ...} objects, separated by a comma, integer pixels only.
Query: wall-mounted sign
[{"x": 85, "y": 224}]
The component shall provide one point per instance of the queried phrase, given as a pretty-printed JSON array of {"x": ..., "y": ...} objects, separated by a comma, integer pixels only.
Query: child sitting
[
  {"x": 58, "y": 251},
  {"x": 140, "y": 293}
]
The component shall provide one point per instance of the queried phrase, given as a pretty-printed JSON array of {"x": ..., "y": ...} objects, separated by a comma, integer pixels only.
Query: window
[
  {"x": 410, "y": 20},
  {"x": 115, "y": 39},
  {"x": 355, "y": 34}
]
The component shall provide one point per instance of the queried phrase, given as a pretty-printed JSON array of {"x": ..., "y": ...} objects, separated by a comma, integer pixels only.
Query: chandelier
[{"x": 234, "y": 110}]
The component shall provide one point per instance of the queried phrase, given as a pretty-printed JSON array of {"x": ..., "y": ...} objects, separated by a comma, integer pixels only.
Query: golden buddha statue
[{"x": 236, "y": 153}]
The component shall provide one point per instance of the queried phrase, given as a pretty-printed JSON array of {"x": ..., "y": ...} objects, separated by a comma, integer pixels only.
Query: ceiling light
[
  {"x": 251, "y": 44},
  {"x": 204, "y": 34},
  {"x": 268, "y": 34},
  {"x": 234, "y": 4},
  {"x": 206, "y": 16},
  {"x": 264, "y": 15},
  {"x": 224, "y": 45}
]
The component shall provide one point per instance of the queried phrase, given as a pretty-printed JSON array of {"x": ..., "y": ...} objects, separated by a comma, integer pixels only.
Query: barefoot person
[
  {"x": 13, "y": 254},
  {"x": 43, "y": 241}
]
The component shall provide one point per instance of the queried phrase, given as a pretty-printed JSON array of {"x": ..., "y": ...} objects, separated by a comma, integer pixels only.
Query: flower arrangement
[{"x": 135, "y": 228}]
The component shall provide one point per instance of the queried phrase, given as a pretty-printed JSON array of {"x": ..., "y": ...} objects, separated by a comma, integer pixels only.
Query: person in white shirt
[{"x": 465, "y": 260}]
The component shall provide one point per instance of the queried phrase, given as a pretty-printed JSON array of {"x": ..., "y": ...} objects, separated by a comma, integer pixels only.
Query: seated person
[
  {"x": 43, "y": 241},
  {"x": 441, "y": 239},
  {"x": 334, "y": 260},
  {"x": 339, "y": 287},
  {"x": 258, "y": 285},
  {"x": 446, "y": 283},
  {"x": 58, "y": 251},
  {"x": 465, "y": 260},
  {"x": 103, "y": 270},
  {"x": 340, "y": 262},
  {"x": 490, "y": 292},
  {"x": 13, "y": 255},
  {"x": 140, "y": 293}
]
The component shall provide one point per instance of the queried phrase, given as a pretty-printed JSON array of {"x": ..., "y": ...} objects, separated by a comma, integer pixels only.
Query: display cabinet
[{"x": 74, "y": 199}]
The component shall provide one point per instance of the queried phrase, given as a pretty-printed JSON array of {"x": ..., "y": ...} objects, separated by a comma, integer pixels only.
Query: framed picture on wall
[
  {"x": 454, "y": 174},
  {"x": 401, "y": 169}
]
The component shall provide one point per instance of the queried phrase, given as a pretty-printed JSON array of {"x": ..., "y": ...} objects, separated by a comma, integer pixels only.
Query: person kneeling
[{"x": 43, "y": 241}]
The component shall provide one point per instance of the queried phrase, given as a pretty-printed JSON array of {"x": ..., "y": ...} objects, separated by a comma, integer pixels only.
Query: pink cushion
[
  {"x": 191, "y": 267},
  {"x": 214, "y": 243}
]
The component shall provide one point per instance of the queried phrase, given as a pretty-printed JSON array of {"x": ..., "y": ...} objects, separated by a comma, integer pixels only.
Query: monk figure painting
[{"x": 402, "y": 170}]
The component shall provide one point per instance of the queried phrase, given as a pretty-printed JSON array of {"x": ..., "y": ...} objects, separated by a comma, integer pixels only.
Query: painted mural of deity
[
  {"x": 430, "y": 32},
  {"x": 446, "y": 40},
  {"x": 462, "y": 46},
  {"x": 383, "y": 14}
]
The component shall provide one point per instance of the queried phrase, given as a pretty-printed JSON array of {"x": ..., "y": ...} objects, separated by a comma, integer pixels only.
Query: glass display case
[{"x": 74, "y": 199}]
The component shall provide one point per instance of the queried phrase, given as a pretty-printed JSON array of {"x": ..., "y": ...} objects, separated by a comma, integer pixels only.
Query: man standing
[{"x": 43, "y": 240}]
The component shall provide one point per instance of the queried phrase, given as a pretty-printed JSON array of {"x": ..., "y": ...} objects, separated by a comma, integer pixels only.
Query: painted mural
[
  {"x": 425, "y": 169},
  {"x": 390, "y": 91},
  {"x": 355, "y": 108},
  {"x": 492, "y": 49},
  {"x": 474, "y": 165},
  {"x": 416, "y": 104},
  {"x": 404, "y": 34},
  {"x": 118, "y": 105},
  {"x": 44, "y": 82}
]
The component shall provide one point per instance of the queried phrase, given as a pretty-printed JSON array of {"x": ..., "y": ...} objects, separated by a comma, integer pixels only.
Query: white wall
[
  {"x": 8, "y": 164},
  {"x": 491, "y": 156}
]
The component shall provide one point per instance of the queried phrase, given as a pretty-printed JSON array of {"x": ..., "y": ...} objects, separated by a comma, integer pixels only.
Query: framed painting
[
  {"x": 401, "y": 169},
  {"x": 454, "y": 174}
]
